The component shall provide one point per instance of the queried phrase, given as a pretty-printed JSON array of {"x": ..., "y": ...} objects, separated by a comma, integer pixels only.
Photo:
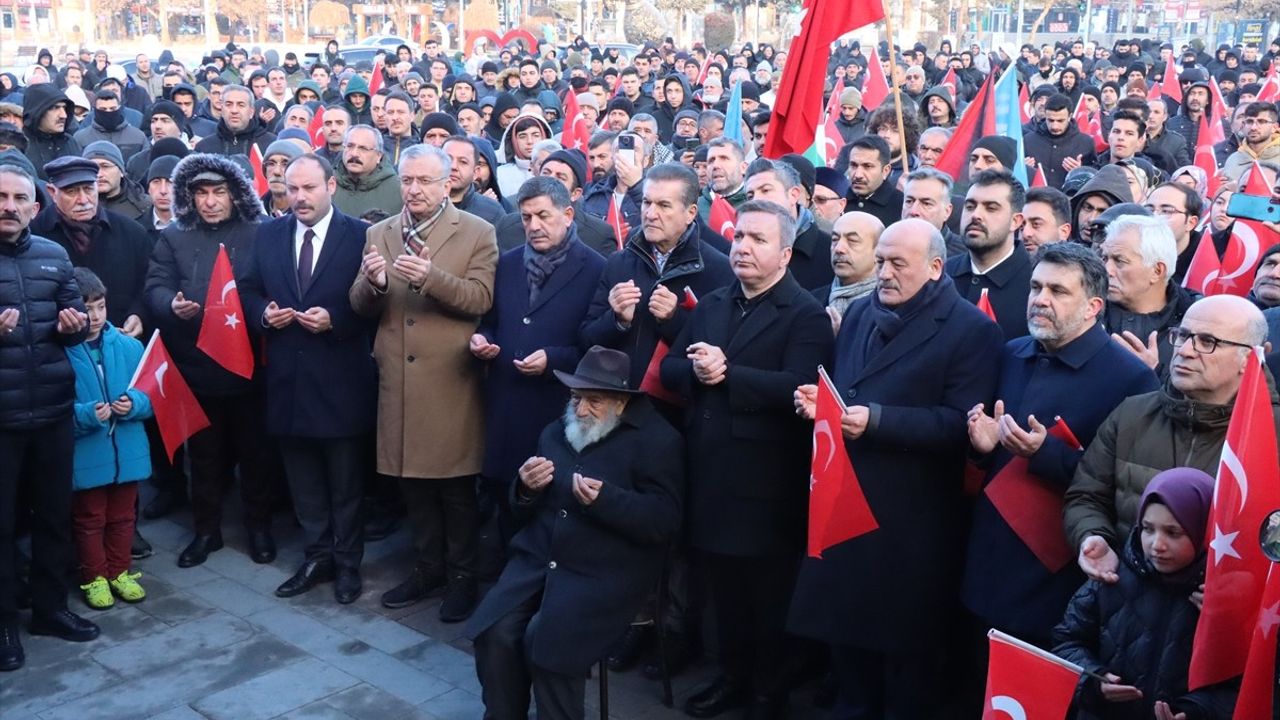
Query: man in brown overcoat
[{"x": 427, "y": 276}]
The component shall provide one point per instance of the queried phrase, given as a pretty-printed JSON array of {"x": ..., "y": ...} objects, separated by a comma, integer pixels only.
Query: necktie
[{"x": 304, "y": 261}]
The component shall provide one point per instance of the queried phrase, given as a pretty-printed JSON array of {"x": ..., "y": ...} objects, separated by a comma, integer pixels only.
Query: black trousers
[
  {"x": 751, "y": 596},
  {"x": 877, "y": 686},
  {"x": 165, "y": 474},
  {"x": 506, "y": 673},
  {"x": 235, "y": 437},
  {"x": 325, "y": 481},
  {"x": 444, "y": 516},
  {"x": 37, "y": 464}
]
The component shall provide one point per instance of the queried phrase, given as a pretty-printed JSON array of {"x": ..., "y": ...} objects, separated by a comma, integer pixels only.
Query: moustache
[
  {"x": 1042, "y": 313},
  {"x": 975, "y": 224}
]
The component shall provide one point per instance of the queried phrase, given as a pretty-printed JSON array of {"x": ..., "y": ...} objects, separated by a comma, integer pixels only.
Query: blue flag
[
  {"x": 733, "y": 116},
  {"x": 1009, "y": 119}
]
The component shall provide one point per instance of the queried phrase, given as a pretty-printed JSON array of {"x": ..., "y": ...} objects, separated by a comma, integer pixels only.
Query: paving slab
[
  {"x": 275, "y": 693},
  {"x": 26, "y": 694}
]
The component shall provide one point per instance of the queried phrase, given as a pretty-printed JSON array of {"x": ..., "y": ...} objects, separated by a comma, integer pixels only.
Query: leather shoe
[
  {"x": 418, "y": 586},
  {"x": 724, "y": 693},
  {"x": 63, "y": 624},
  {"x": 459, "y": 599},
  {"x": 347, "y": 586},
  {"x": 11, "y": 655},
  {"x": 308, "y": 576},
  {"x": 198, "y": 551},
  {"x": 630, "y": 648},
  {"x": 262, "y": 547}
]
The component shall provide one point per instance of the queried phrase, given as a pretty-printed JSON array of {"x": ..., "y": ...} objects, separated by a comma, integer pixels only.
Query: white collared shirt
[
  {"x": 158, "y": 223},
  {"x": 994, "y": 265},
  {"x": 321, "y": 229}
]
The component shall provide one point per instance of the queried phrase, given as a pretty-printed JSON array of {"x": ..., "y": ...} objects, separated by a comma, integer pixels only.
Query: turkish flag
[
  {"x": 949, "y": 82},
  {"x": 651, "y": 383},
  {"x": 1257, "y": 690},
  {"x": 1090, "y": 124},
  {"x": 702, "y": 73},
  {"x": 1169, "y": 86},
  {"x": 1247, "y": 241},
  {"x": 1247, "y": 489},
  {"x": 223, "y": 335},
  {"x": 1039, "y": 180},
  {"x": 1025, "y": 682},
  {"x": 1270, "y": 85},
  {"x": 977, "y": 121},
  {"x": 831, "y": 140},
  {"x": 984, "y": 304},
  {"x": 575, "y": 134},
  {"x": 876, "y": 87},
  {"x": 1033, "y": 507},
  {"x": 1024, "y": 105},
  {"x": 178, "y": 413},
  {"x": 1202, "y": 274},
  {"x": 617, "y": 222},
  {"x": 375, "y": 80},
  {"x": 1204, "y": 157},
  {"x": 260, "y": 185},
  {"x": 315, "y": 130},
  {"x": 722, "y": 217},
  {"x": 1219, "y": 107},
  {"x": 797, "y": 110},
  {"x": 838, "y": 510}
]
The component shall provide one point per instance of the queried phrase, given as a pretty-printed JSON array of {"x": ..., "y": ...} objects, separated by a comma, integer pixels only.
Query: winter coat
[
  {"x": 485, "y": 208},
  {"x": 518, "y": 406},
  {"x": 810, "y": 253},
  {"x": 1080, "y": 383},
  {"x": 593, "y": 565},
  {"x": 115, "y": 451},
  {"x": 1049, "y": 151},
  {"x": 665, "y": 113},
  {"x": 127, "y": 138},
  {"x": 380, "y": 190},
  {"x": 592, "y": 231},
  {"x": 1007, "y": 285},
  {"x": 938, "y": 91},
  {"x": 851, "y": 130},
  {"x": 43, "y": 147},
  {"x": 430, "y": 409},
  {"x": 1141, "y": 629},
  {"x": 37, "y": 385},
  {"x": 1170, "y": 148},
  {"x": 1182, "y": 123},
  {"x": 182, "y": 261},
  {"x": 1144, "y": 435},
  {"x": 1241, "y": 160},
  {"x": 598, "y": 196},
  {"x": 1111, "y": 183},
  {"x": 227, "y": 142},
  {"x": 119, "y": 255},
  {"x": 1118, "y": 320}
]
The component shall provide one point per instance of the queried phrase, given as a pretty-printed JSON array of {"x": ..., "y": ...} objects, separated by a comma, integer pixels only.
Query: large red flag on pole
[
  {"x": 223, "y": 334},
  {"x": 1257, "y": 690},
  {"x": 838, "y": 509},
  {"x": 1247, "y": 489},
  {"x": 178, "y": 413},
  {"x": 977, "y": 121},
  {"x": 798, "y": 110},
  {"x": 375, "y": 78},
  {"x": 1025, "y": 682}
]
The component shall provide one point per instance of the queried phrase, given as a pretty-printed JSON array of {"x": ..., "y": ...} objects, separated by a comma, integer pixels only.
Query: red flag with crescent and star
[
  {"x": 1204, "y": 157},
  {"x": 375, "y": 78},
  {"x": 223, "y": 334},
  {"x": 1169, "y": 86},
  {"x": 616, "y": 221},
  {"x": 575, "y": 134},
  {"x": 1202, "y": 273},
  {"x": 1039, "y": 180},
  {"x": 1257, "y": 690},
  {"x": 1247, "y": 489},
  {"x": 178, "y": 413},
  {"x": 1025, "y": 682},
  {"x": 260, "y": 184},
  {"x": 838, "y": 509},
  {"x": 651, "y": 383},
  {"x": 722, "y": 217},
  {"x": 949, "y": 82},
  {"x": 315, "y": 130},
  {"x": 984, "y": 304}
]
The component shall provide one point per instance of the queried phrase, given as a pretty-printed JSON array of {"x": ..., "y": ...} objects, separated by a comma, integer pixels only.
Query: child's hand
[
  {"x": 1164, "y": 712},
  {"x": 102, "y": 411},
  {"x": 1115, "y": 692},
  {"x": 123, "y": 406}
]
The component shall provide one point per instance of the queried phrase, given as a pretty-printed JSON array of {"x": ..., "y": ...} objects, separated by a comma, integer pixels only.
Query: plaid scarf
[{"x": 415, "y": 235}]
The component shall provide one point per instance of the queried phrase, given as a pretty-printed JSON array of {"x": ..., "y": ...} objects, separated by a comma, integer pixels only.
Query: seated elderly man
[{"x": 599, "y": 503}]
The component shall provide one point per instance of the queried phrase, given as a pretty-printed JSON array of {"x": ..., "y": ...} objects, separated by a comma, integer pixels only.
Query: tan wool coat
[{"x": 430, "y": 407}]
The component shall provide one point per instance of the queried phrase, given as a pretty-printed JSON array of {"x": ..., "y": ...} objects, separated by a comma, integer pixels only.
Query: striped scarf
[{"x": 415, "y": 234}]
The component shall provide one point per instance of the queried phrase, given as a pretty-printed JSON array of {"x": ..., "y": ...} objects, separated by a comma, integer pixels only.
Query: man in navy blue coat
[
  {"x": 320, "y": 377},
  {"x": 541, "y": 294},
  {"x": 911, "y": 359},
  {"x": 1068, "y": 372}
]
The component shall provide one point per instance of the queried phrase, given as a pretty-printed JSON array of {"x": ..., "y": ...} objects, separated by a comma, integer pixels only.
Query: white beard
[{"x": 580, "y": 432}]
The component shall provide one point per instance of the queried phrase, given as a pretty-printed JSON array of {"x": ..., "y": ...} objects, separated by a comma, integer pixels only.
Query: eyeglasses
[
  {"x": 1203, "y": 343},
  {"x": 352, "y": 147},
  {"x": 1164, "y": 210},
  {"x": 819, "y": 200},
  {"x": 423, "y": 181}
]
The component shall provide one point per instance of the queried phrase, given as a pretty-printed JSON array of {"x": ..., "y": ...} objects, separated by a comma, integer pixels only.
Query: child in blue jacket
[{"x": 111, "y": 453}]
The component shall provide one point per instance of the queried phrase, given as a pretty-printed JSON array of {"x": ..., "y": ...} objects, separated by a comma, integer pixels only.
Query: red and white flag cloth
[
  {"x": 652, "y": 381},
  {"x": 838, "y": 509},
  {"x": 1247, "y": 489},
  {"x": 1025, "y": 682},
  {"x": 617, "y": 222},
  {"x": 375, "y": 79},
  {"x": 722, "y": 218},
  {"x": 178, "y": 413},
  {"x": 1257, "y": 690},
  {"x": 260, "y": 184},
  {"x": 223, "y": 334},
  {"x": 575, "y": 133},
  {"x": 984, "y": 304}
]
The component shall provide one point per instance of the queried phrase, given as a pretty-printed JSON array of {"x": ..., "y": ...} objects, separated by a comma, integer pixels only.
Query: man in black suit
[
  {"x": 738, "y": 359},
  {"x": 910, "y": 360},
  {"x": 321, "y": 381},
  {"x": 996, "y": 261}
]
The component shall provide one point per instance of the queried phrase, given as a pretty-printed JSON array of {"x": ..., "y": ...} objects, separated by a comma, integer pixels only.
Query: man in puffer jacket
[
  {"x": 47, "y": 123},
  {"x": 42, "y": 315}
]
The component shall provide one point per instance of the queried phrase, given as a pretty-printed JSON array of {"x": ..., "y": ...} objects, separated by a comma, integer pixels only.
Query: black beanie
[{"x": 576, "y": 162}]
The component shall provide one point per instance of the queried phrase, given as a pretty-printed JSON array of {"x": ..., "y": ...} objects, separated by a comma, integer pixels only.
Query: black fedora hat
[{"x": 600, "y": 369}]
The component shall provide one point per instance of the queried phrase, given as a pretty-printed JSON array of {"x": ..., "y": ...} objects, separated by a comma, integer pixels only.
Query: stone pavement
[{"x": 214, "y": 642}]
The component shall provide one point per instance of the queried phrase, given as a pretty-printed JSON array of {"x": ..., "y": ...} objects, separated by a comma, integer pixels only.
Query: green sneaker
[
  {"x": 127, "y": 588},
  {"x": 97, "y": 594}
]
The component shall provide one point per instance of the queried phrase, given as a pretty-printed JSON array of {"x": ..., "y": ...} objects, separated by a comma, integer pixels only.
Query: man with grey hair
[
  {"x": 926, "y": 194},
  {"x": 726, "y": 172},
  {"x": 746, "y": 512},
  {"x": 710, "y": 125},
  {"x": 366, "y": 178},
  {"x": 910, "y": 361},
  {"x": 777, "y": 182},
  {"x": 1142, "y": 299},
  {"x": 427, "y": 277},
  {"x": 932, "y": 143},
  {"x": 646, "y": 126},
  {"x": 853, "y": 262},
  {"x": 239, "y": 127}
]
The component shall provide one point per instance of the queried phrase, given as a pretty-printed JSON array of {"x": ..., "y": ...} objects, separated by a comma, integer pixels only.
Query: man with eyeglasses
[
  {"x": 366, "y": 179},
  {"x": 1261, "y": 140},
  {"x": 830, "y": 188},
  {"x": 1182, "y": 424}
]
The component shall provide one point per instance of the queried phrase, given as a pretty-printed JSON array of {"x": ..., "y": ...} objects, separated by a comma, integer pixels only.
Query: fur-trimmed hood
[{"x": 245, "y": 201}]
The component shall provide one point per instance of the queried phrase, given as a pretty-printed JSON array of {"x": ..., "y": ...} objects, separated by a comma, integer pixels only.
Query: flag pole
[{"x": 897, "y": 94}]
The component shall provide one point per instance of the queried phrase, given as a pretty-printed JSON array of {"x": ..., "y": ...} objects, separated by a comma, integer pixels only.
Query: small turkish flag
[
  {"x": 1024, "y": 105},
  {"x": 617, "y": 222},
  {"x": 223, "y": 334},
  {"x": 875, "y": 88},
  {"x": 1257, "y": 690},
  {"x": 838, "y": 509},
  {"x": 1270, "y": 85},
  {"x": 575, "y": 134},
  {"x": 1204, "y": 157},
  {"x": 178, "y": 413},
  {"x": 1169, "y": 86},
  {"x": 375, "y": 79},
  {"x": 260, "y": 185},
  {"x": 984, "y": 304},
  {"x": 831, "y": 140},
  {"x": 949, "y": 82},
  {"x": 315, "y": 130},
  {"x": 1247, "y": 241},
  {"x": 1090, "y": 124},
  {"x": 833, "y": 103},
  {"x": 1247, "y": 489},
  {"x": 651, "y": 383},
  {"x": 1039, "y": 180},
  {"x": 1025, "y": 682},
  {"x": 1202, "y": 273},
  {"x": 722, "y": 217}
]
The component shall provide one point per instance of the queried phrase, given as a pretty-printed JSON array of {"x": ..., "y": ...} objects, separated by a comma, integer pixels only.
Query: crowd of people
[{"x": 460, "y": 315}]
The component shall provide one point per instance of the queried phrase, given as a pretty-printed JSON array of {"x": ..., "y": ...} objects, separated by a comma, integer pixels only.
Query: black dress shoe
[
  {"x": 11, "y": 655},
  {"x": 460, "y": 599},
  {"x": 724, "y": 693},
  {"x": 140, "y": 548},
  {"x": 308, "y": 576},
  {"x": 630, "y": 648},
  {"x": 63, "y": 624},
  {"x": 347, "y": 586},
  {"x": 198, "y": 551},
  {"x": 262, "y": 547},
  {"x": 165, "y": 502},
  {"x": 419, "y": 586}
]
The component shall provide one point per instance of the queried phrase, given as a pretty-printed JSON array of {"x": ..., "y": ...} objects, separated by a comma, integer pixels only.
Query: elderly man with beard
[
  {"x": 600, "y": 502},
  {"x": 853, "y": 261},
  {"x": 995, "y": 263},
  {"x": 1070, "y": 371}
]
